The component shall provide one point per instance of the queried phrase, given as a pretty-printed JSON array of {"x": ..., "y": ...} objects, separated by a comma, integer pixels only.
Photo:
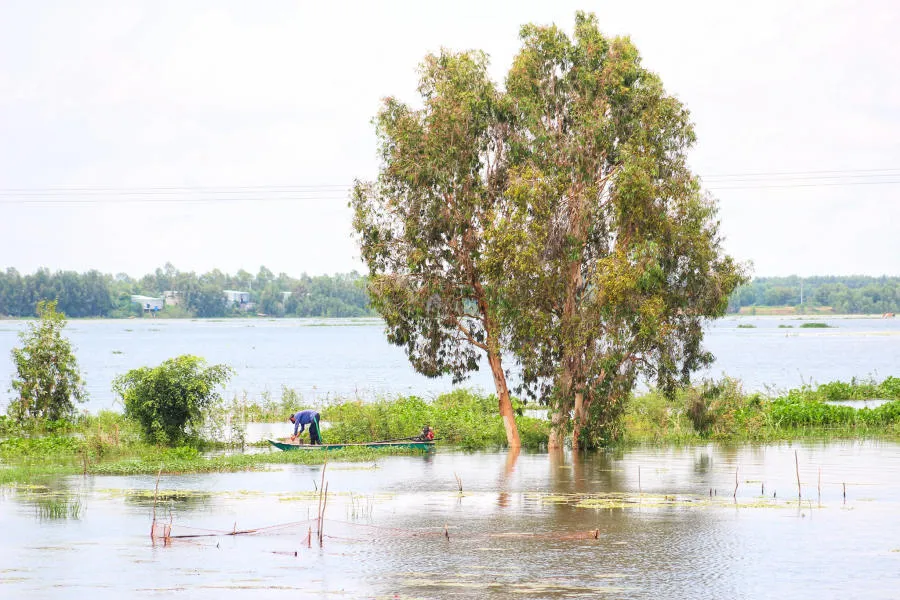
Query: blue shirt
[{"x": 304, "y": 418}]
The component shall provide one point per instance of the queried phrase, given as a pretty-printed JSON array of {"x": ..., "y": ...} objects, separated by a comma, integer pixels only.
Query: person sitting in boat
[{"x": 301, "y": 420}]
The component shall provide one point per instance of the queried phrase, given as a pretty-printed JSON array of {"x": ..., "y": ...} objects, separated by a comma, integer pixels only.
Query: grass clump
[
  {"x": 462, "y": 418},
  {"x": 746, "y": 326},
  {"x": 816, "y": 325},
  {"x": 720, "y": 410}
]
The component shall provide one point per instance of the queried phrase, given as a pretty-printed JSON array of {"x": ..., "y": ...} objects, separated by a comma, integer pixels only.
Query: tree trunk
[
  {"x": 579, "y": 419},
  {"x": 506, "y": 409},
  {"x": 557, "y": 429}
]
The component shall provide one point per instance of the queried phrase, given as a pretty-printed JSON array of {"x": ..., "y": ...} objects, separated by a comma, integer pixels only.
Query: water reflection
[
  {"x": 53, "y": 501},
  {"x": 527, "y": 525}
]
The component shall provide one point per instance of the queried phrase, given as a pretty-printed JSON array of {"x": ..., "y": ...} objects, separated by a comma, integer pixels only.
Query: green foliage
[
  {"x": 607, "y": 256},
  {"x": 172, "y": 400},
  {"x": 421, "y": 225},
  {"x": 815, "y": 326},
  {"x": 424, "y": 224},
  {"x": 47, "y": 380}
]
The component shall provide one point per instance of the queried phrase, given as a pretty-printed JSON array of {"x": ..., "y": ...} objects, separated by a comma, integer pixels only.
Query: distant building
[
  {"x": 148, "y": 303},
  {"x": 242, "y": 299},
  {"x": 172, "y": 298}
]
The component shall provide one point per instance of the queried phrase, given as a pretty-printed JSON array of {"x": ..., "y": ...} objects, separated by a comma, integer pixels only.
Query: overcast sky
[{"x": 235, "y": 126}]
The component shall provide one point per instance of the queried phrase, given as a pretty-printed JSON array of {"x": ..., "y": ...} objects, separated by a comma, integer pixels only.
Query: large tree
[
  {"x": 608, "y": 256},
  {"x": 422, "y": 225}
]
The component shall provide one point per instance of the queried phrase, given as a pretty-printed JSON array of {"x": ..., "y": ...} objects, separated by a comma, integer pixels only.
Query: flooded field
[
  {"x": 688, "y": 522},
  {"x": 327, "y": 358}
]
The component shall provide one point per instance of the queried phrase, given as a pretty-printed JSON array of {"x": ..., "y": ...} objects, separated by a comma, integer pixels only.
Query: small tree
[
  {"x": 170, "y": 401},
  {"x": 47, "y": 379}
]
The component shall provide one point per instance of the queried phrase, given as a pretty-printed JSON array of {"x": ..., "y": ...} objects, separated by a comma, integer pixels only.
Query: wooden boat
[{"x": 403, "y": 444}]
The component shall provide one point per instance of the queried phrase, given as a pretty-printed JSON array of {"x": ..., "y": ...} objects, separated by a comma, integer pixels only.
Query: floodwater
[
  {"x": 644, "y": 523},
  {"x": 327, "y": 358}
]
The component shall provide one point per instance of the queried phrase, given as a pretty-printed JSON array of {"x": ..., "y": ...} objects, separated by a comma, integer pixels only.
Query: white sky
[{"x": 236, "y": 93}]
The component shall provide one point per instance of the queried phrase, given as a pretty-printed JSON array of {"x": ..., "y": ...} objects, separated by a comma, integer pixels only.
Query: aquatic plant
[{"x": 815, "y": 325}]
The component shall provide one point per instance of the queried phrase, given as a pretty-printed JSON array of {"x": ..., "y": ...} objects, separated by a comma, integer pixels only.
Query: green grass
[
  {"x": 461, "y": 418},
  {"x": 722, "y": 411},
  {"x": 746, "y": 326},
  {"x": 816, "y": 325}
]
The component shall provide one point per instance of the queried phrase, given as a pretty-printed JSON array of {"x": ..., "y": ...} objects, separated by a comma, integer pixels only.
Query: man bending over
[{"x": 301, "y": 420}]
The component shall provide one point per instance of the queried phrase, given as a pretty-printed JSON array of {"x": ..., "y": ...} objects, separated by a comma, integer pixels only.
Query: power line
[
  {"x": 764, "y": 185},
  {"x": 335, "y": 192},
  {"x": 847, "y": 172}
]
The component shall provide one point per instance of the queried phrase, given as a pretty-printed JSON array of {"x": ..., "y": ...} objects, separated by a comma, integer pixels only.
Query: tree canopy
[
  {"x": 423, "y": 224},
  {"x": 556, "y": 219},
  {"x": 47, "y": 381},
  {"x": 172, "y": 400}
]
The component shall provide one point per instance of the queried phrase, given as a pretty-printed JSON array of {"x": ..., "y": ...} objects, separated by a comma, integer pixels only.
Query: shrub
[{"x": 172, "y": 400}]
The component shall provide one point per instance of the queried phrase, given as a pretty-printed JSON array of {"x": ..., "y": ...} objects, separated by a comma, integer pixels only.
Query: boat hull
[{"x": 410, "y": 445}]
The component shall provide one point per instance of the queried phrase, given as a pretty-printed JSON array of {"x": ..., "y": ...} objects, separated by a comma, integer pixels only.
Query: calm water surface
[
  {"x": 635, "y": 524},
  {"x": 346, "y": 357}
]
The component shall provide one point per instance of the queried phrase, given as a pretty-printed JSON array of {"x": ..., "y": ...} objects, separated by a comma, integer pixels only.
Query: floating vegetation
[
  {"x": 117, "y": 352},
  {"x": 746, "y": 326},
  {"x": 624, "y": 500},
  {"x": 816, "y": 325},
  {"x": 785, "y": 327},
  {"x": 147, "y": 496}
]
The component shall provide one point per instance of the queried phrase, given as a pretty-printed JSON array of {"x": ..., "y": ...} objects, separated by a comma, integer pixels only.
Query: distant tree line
[
  {"x": 95, "y": 294},
  {"x": 854, "y": 294}
]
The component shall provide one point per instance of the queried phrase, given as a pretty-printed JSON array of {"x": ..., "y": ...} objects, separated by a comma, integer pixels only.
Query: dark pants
[{"x": 314, "y": 437}]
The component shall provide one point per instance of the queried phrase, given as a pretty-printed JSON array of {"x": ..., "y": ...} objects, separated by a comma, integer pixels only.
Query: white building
[
  {"x": 148, "y": 303},
  {"x": 242, "y": 299}
]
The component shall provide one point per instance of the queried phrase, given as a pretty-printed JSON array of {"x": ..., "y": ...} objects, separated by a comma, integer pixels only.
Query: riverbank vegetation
[
  {"x": 723, "y": 411},
  {"x": 853, "y": 294},
  {"x": 95, "y": 294},
  {"x": 111, "y": 444}
]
